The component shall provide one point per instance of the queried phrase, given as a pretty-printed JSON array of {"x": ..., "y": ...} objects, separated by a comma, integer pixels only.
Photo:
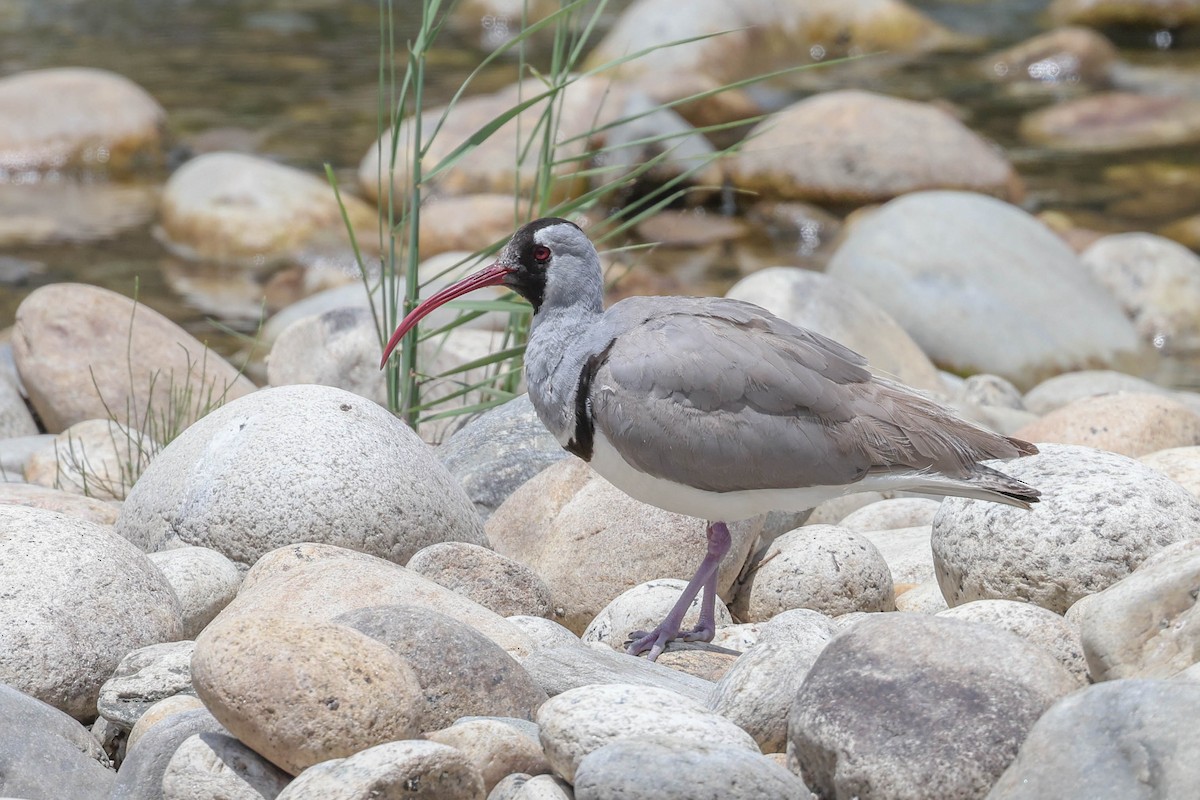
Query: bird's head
[{"x": 550, "y": 262}]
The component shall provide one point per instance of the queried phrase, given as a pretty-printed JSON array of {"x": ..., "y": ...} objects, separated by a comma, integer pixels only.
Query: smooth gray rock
[
  {"x": 410, "y": 769},
  {"x": 15, "y": 419},
  {"x": 758, "y": 690},
  {"x": 888, "y": 515},
  {"x": 520, "y": 786},
  {"x": 1100, "y": 515},
  {"x": 643, "y": 607},
  {"x": 141, "y": 776},
  {"x": 496, "y": 746},
  {"x": 907, "y": 552},
  {"x": 231, "y": 482},
  {"x": 497, "y": 451},
  {"x": 144, "y": 677},
  {"x": 666, "y": 770},
  {"x": 1060, "y": 390},
  {"x": 498, "y": 582},
  {"x": 47, "y": 755},
  {"x": 339, "y": 347},
  {"x": 914, "y": 706},
  {"x": 76, "y": 598},
  {"x": 1060, "y": 637},
  {"x": 212, "y": 765},
  {"x": 561, "y": 669},
  {"x": 955, "y": 267},
  {"x": 1132, "y": 739},
  {"x": 461, "y": 671},
  {"x": 204, "y": 581}
]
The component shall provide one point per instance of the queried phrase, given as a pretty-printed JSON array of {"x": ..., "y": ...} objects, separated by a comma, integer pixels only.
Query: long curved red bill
[{"x": 488, "y": 276}]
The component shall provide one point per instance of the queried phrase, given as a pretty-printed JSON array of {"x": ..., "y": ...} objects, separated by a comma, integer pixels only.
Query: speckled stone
[
  {"x": 502, "y": 584},
  {"x": 1038, "y": 625},
  {"x": 412, "y": 770}
]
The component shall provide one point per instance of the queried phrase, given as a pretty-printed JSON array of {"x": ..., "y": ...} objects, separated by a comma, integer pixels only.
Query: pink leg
[{"x": 704, "y": 580}]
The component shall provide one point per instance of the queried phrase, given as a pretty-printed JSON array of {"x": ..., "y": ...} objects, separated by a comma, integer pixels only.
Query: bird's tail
[{"x": 981, "y": 483}]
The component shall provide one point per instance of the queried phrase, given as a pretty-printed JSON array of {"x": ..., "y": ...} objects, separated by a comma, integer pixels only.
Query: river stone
[
  {"x": 643, "y": 607},
  {"x": 72, "y": 345},
  {"x": 230, "y": 481},
  {"x": 924, "y": 598},
  {"x": 15, "y": 419},
  {"x": 97, "y": 458},
  {"x": 204, "y": 581},
  {"x": 543, "y": 633},
  {"x": 823, "y": 567},
  {"x": 319, "y": 582},
  {"x": 1038, "y": 625},
  {"x": 299, "y": 692},
  {"x": 1054, "y": 393},
  {"x": 565, "y": 667},
  {"x": 44, "y": 753},
  {"x": 666, "y": 770},
  {"x": 391, "y": 771},
  {"x": 233, "y": 208},
  {"x": 496, "y": 748},
  {"x": 1157, "y": 282},
  {"x": 88, "y": 509},
  {"x": 76, "y": 117},
  {"x": 1114, "y": 122},
  {"x": 141, "y": 774},
  {"x": 1131, "y": 739},
  {"x": 519, "y": 786},
  {"x": 590, "y": 541},
  {"x": 1125, "y": 423},
  {"x": 819, "y": 303},
  {"x": 1149, "y": 13},
  {"x": 498, "y": 451},
  {"x": 144, "y": 677},
  {"x": 912, "y": 706},
  {"x": 502, "y": 584},
  {"x": 955, "y": 267},
  {"x": 162, "y": 710},
  {"x": 860, "y": 147},
  {"x": 757, "y": 691},
  {"x": 1100, "y": 515},
  {"x": 1145, "y": 625},
  {"x": 581, "y": 721},
  {"x": 212, "y": 765},
  {"x": 886, "y": 515},
  {"x": 76, "y": 599},
  {"x": 907, "y": 553},
  {"x": 460, "y": 671},
  {"x": 1054, "y": 60},
  {"x": 339, "y": 347},
  {"x": 1180, "y": 464}
]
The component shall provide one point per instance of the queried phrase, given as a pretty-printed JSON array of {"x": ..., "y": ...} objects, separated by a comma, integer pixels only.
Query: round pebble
[
  {"x": 413, "y": 770},
  {"x": 502, "y": 584}
]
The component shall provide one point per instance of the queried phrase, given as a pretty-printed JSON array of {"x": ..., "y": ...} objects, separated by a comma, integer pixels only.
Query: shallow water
[{"x": 296, "y": 81}]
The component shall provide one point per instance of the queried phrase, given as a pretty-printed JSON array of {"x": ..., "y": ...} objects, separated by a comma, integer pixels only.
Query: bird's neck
[{"x": 560, "y": 342}]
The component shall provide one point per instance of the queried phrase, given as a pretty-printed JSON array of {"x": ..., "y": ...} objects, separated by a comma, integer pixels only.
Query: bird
[{"x": 716, "y": 408}]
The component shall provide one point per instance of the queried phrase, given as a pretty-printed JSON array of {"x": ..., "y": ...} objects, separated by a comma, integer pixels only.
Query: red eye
[{"x": 541, "y": 254}]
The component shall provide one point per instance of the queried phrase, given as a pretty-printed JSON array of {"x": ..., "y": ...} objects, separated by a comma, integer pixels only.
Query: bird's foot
[{"x": 656, "y": 641}]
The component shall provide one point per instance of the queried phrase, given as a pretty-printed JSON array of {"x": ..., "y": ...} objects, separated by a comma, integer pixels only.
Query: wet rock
[
  {"x": 908, "y": 257},
  {"x": 15, "y": 419},
  {"x": 1114, "y": 122},
  {"x": 907, "y": 705},
  {"x": 590, "y": 541},
  {"x": 821, "y": 567},
  {"x": 72, "y": 342},
  {"x": 320, "y": 582},
  {"x": 494, "y": 581},
  {"x": 77, "y": 598},
  {"x": 1151, "y": 13},
  {"x": 560, "y": 669},
  {"x": 495, "y": 747},
  {"x": 1124, "y": 738},
  {"x": 1035, "y": 624},
  {"x": 144, "y": 677},
  {"x": 460, "y": 671},
  {"x": 1054, "y": 393},
  {"x": 498, "y": 451},
  {"x": 1157, "y": 282},
  {"x": 1058, "y": 59},
  {"x": 1180, "y": 464},
  {"x": 640, "y": 609},
  {"x": 1144, "y": 625},
  {"x": 758, "y": 690},
  {"x": 141, "y": 775},
  {"x": 666, "y": 770},
  {"x": 1126, "y": 423},
  {"x": 243, "y": 210},
  {"x": 76, "y": 117},
  {"x": 69, "y": 212},
  {"x": 89, "y": 509},
  {"x": 412, "y": 769},
  {"x": 46, "y": 753},
  {"x": 823, "y": 149},
  {"x": 817, "y": 302},
  {"x": 204, "y": 581},
  {"x": 223, "y": 483},
  {"x": 302, "y": 692},
  {"x": 578, "y": 722},
  {"x": 97, "y": 458},
  {"x": 212, "y": 765},
  {"x": 1100, "y": 515}
]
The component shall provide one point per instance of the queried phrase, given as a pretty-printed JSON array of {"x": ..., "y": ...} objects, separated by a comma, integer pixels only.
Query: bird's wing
[{"x": 723, "y": 396}]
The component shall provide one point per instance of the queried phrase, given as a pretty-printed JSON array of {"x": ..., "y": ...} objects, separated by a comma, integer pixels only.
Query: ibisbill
[{"x": 716, "y": 408}]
